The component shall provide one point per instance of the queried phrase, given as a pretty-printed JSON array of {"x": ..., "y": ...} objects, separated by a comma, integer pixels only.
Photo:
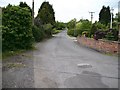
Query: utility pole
[
  {"x": 91, "y": 15},
  {"x": 32, "y": 12},
  {"x": 111, "y": 17}
]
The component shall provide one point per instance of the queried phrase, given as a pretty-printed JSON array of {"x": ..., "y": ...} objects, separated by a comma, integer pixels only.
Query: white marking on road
[{"x": 84, "y": 65}]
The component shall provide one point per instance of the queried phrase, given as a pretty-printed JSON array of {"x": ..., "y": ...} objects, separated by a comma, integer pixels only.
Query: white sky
[{"x": 65, "y": 10}]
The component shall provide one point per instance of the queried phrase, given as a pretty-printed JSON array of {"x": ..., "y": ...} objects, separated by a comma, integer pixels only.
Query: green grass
[
  {"x": 14, "y": 65},
  {"x": 111, "y": 54},
  {"x": 7, "y": 54},
  {"x": 11, "y": 53}
]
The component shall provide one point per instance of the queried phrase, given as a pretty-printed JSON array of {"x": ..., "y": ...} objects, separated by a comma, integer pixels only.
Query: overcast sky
[{"x": 65, "y": 10}]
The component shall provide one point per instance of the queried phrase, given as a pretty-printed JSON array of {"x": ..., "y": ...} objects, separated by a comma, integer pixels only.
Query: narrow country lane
[{"x": 57, "y": 64}]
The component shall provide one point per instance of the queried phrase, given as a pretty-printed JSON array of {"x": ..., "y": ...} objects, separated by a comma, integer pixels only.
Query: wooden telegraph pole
[
  {"x": 91, "y": 15},
  {"x": 32, "y": 12},
  {"x": 111, "y": 18}
]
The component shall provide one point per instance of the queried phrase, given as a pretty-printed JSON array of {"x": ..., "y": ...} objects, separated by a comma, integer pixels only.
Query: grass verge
[{"x": 7, "y": 54}]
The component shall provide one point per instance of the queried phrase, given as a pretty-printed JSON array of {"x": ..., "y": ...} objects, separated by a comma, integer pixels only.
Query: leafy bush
[
  {"x": 60, "y": 25},
  {"x": 54, "y": 31},
  {"x": 109, "y": 36},
  {"x": 38, "y": 33},
  {"x": 70, "y": 32},
  {"x": 17, "y": 28},
  {"x": 24, "y": 5},
  {"x": 86, "y": 33},
  {"x": 93, "y": 30},
  {"x": 83, "y": 26},
  {"x": 71, "y": 24},
  {"x": 100, "y": 26},
  {"x": 112, "y": 34},
  {"x": 38, "y": 22},
  {"x": 99, "y": 34},
  {"x": 48, "y": 29}
]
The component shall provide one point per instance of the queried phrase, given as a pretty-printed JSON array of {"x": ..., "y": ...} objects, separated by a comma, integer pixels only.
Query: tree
[
  {"x": 46, "y": 13},
  {"x": 117, "y": 17},
  {"x": 71, "y": 24},
  {"x": 24, "y": 5},
  {"x": 60, "y": 25},
  {"x": 78, "y": 28},
  {"x": 71, "y": 27},
  {"x": 104, "y": 15},
  {"x": 100, "y": 26},
  {"x": 83, "y": 25}
]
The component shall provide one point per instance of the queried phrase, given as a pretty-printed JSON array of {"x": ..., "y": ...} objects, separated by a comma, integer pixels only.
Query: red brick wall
[{"x": 101, "y": 45}]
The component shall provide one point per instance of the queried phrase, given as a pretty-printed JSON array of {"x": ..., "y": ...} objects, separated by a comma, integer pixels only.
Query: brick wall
[{"x": 101, "y": 45}]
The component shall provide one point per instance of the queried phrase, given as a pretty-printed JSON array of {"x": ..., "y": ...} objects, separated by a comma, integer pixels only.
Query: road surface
[
  {"x": 60, "y": 62},
  {"x": 56, "y": 65}
]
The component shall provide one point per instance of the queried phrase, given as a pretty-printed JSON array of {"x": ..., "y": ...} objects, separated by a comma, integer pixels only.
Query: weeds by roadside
[{"x": 17, "y": 52}]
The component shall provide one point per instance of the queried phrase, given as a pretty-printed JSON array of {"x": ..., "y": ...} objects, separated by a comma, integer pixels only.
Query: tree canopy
[
  {"x": 46, "y": 13},
  {"x": 104, "y": 15},
  {"x": 24, "y": 5}
]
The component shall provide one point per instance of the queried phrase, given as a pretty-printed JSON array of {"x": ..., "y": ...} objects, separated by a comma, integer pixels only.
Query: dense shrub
[
  {"x": 100, "y": 26},
  {"x": 79, "y": 28},
  {"x": 85, "y": 26},
  {"x": 99, "y": 34},
  {"x": 48, "y": 29},
  {"x": 38, "y": 33},
  {"x": 24, "y": 5},
  {"x": 93, "y": 30},
  {"x": 70, "y": 32},
  {"x": 38, "y": 22},
  {"x": 112, "y": 34},
  {"x": 60, "y": 25},
  {"x": 71, "y": 24},
  {"x": 85, "y": 33},
  {"x": 109, "y": 36},
  {"x": 17, "y": 28},
  {"x": 55, "y": 31}
]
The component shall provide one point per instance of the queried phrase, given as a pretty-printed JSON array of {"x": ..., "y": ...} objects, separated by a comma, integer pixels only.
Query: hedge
[{"x": 16, "y": 29}]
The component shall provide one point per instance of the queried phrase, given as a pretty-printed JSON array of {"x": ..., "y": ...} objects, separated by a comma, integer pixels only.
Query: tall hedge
[
  {"x": 17, "y": 28},
  {"x": 38, "y": 33}
]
